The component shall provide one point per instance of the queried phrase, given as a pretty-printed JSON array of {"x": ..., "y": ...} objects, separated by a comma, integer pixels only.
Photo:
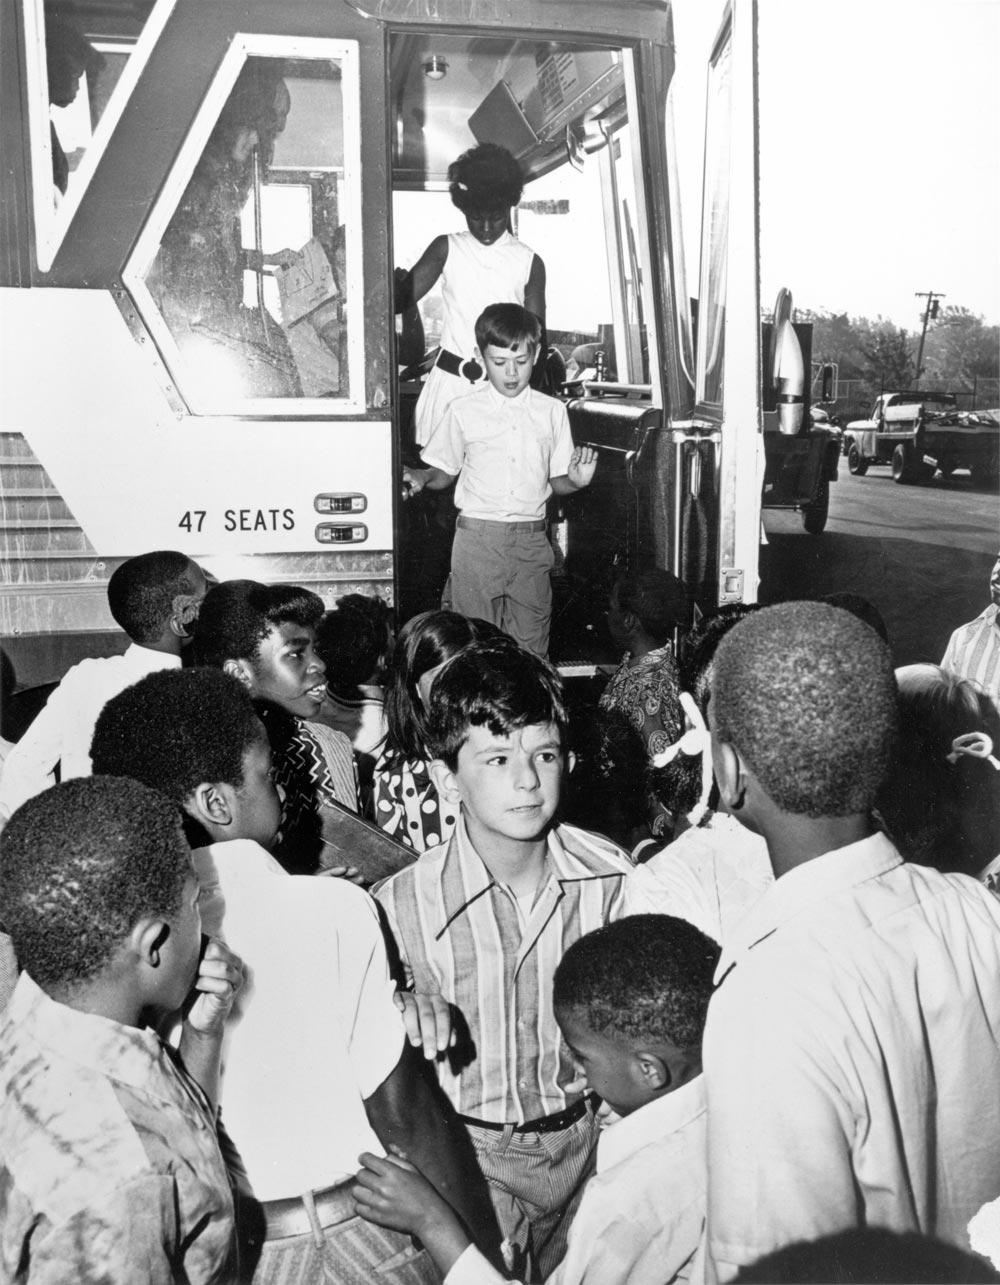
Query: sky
[{"x": 879, "y": 150}]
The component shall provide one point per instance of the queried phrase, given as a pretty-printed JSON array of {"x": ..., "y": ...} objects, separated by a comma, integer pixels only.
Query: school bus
[{"x": 203, "y": 207}]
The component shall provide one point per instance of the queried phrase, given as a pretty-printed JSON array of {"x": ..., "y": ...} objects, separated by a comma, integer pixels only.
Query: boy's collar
[{"x": 659, "y": 1118}]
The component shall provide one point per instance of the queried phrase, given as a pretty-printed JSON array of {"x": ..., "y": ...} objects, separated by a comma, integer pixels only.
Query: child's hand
[
  {"x": 413, "y": 482},
  {"x": 427, "y": 1018},
  {"x": 582, "y": 466},
  {"x": 391, "y": 1192},
  {"x": 351, "y": 873},
  {"x": 220, "y": 976}
]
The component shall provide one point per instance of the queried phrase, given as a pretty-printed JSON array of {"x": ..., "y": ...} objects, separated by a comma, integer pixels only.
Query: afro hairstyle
[
  {"x": 355, "y": 641},
  {"x": 484, "y": 178},
  {"x": 807, "y": 694},
  {"x": 657, "y": 598},
  {"x": 238, "y": 615},
  {"x": 661, "y": 995},
  {"x": 141, "y": 592},
  {"x": 494, "y": 684},
  {"x": 80, "y": 865},
  {"x": 177, "y": 729}
]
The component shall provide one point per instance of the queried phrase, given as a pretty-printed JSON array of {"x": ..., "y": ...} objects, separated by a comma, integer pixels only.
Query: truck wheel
[
  {"x": 856, "y": 462},
  {"x": 903, "y": 469},
  {"x": 814, "y": 514}
]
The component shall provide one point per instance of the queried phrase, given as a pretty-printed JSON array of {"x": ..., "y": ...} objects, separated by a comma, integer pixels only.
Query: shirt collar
[
  {"x": 508, "y": 403},
  {"x": 465, "y": 876},
  {"x": 804, "y": 886},
  {"x": 656, "y": 1120},
  {"x": 95, "y": 1042},
  {"x": 148, "y": 659}
]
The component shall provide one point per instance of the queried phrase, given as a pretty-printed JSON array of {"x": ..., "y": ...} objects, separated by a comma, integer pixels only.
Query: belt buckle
[{"x": 471, "y": 370}]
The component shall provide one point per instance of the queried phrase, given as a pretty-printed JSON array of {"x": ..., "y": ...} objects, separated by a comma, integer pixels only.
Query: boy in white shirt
[{"x": 510, "y": 448}]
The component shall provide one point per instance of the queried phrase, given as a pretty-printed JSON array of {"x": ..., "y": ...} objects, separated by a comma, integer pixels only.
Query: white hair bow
[{"x": 976, "y": 745}]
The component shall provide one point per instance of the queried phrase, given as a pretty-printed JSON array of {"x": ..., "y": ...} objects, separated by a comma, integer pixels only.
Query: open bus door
[{"x": 720, "y": 448}]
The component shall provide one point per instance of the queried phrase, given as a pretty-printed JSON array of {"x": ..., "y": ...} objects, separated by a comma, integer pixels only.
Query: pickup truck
[{"x": 918, "y": 433}]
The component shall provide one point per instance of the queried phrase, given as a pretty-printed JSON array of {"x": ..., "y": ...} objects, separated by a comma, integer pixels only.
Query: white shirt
[
  {"x": 314, "y": 1030},
  {"x": 505, "y": 448},
  {"x": 709, "y": 876},
  {"x": 642, "y": 1215},
  {"x": 63, "y": 730},
  {"x": 852, "y": 1056},
  {"x": 973, "y": 653}
]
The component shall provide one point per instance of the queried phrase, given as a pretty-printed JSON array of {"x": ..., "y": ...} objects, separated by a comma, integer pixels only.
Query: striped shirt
[
  {"x": 973, "y": 653},
  {"x": 459, "y": 933}
]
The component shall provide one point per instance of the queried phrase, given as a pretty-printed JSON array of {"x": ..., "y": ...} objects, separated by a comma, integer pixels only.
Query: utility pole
[{"x": 930, "y": 312}]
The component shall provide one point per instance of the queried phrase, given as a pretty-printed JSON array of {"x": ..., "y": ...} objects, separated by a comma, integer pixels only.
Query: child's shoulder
[
  {"x": 594, "y": 851},
  {"x": 422, "y": 871}
]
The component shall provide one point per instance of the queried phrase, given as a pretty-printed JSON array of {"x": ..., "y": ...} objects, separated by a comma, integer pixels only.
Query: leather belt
[
  {"x": 289, "y": 1216},
  {"x": 544, "y": 1123},
  {"x": 452, "y": 365}
]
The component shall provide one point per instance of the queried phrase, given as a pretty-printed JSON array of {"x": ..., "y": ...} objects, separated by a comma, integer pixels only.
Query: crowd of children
[{"x": 753, "y": 1043}]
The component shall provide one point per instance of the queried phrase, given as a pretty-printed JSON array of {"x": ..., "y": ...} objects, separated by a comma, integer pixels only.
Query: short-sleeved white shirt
[
  {"x": 505, "y": 449},
  {"x": 852, "y": 1056},
  {"x": 314, "y": 1031}
]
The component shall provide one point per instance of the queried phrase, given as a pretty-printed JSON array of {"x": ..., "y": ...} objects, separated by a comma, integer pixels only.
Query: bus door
[
  {"x": 196, "y": 348},
  {"x": 719, "y": 447},
  {"x": 583, "y": 108}
]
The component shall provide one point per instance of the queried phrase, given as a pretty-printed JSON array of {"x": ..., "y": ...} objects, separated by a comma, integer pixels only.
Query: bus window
[
  {"x": 561, "y": 108},
  {"x": 85, "y": 61},
  {"x": 248, "y": 278}
]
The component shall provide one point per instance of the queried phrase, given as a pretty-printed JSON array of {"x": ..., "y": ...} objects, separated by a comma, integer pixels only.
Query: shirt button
[{"x": 522, "y": 1084}]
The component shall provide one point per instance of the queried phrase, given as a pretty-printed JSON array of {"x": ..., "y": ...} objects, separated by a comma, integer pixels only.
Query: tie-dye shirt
[{"x": 110, "y": 1170}]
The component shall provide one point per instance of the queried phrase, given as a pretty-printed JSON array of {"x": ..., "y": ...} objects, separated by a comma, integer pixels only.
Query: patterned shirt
[
  {"x": 407, "y": 804},
  {"x": 459, "y": 933},
  {"x": 973, "y": 653},
  {"x": 315, "y": 768},
  {"x": 110, "y": 1170}
]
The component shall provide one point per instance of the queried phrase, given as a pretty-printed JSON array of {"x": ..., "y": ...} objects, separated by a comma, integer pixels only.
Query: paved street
[{"x": 921, "y": 554}]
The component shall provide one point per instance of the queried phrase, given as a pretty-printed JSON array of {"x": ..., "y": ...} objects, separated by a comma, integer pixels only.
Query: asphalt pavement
[{"x": 921, "y": 554}]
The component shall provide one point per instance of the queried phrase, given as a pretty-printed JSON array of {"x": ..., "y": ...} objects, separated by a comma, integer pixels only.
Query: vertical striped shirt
[
  {"x": 459, "y": 933},
  {"x": 973, "y": 653}
]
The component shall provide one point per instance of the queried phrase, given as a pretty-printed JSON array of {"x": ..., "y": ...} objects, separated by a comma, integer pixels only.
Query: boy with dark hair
[
  {"x": 512, "y": 448},
  {"x": 317, "y": 1065},
  {"x": 109, "y": 1165},
  {"x": 851, "y": 1051},
  {"x": 484, "y": 919},
  {"x": 635, "y": 1035},
  {"x": 265, "y": 637},
  {"x": 155, "y": 598}
]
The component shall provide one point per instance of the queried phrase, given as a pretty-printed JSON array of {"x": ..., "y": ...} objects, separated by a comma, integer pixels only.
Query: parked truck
[{"x": 919, "y": 432}]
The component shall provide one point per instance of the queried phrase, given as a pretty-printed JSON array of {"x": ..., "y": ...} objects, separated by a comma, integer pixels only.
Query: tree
[
  {"x": 960, "y": 348},
  {"x": 888, "y": 357}
]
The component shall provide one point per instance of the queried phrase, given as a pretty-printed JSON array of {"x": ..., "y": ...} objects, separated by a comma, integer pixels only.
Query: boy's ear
[
  {"x": 653, "y": 1071},
  {"x": 570, "y": 760},
  {"x": 239, "y": 669},
  {"x": 730, "y": 775},
  {"x": 445, "y": 781},
  {"x": 184, "y": 612},
  {"x": 212, "y": 805},
  {"x": 476, "y": 352},
  {"x": 147, "y": 939}
]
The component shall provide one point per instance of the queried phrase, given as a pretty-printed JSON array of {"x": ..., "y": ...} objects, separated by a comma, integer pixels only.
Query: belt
[
  {"x": 289, "y": 1216},
  {"x": 488, "y": 524},
  {"x": 544, "y": 1124},
  {"x": 452, "y": 365}
]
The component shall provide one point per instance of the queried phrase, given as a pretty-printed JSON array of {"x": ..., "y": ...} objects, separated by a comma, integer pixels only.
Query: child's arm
[
  {"x": 393, "y": 1193},
  {"x": 434, "y": 479},
  {"x": 579, "y": 474},
  {"x": 422, "y": 275},
  {"x": 220, "y": 976}
]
